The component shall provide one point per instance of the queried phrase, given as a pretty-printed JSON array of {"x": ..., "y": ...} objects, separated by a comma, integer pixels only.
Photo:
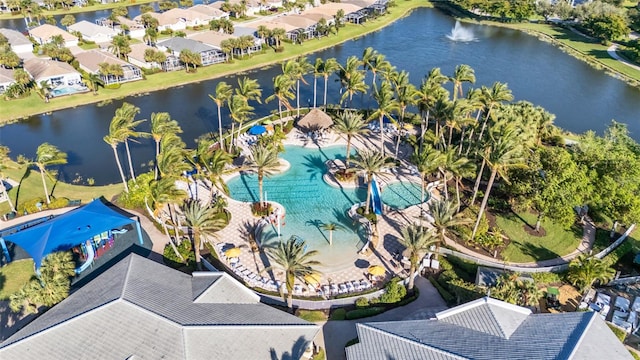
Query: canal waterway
[{"x": 581, "y": 97}]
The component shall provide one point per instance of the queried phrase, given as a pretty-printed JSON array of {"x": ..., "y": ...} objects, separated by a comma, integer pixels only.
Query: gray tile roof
[
  {"x": 177, "y": 44},
  {"x": 456, "y": 334},
  {"x": 15, "y": 37},
  {"x": 144, "y": 309}
]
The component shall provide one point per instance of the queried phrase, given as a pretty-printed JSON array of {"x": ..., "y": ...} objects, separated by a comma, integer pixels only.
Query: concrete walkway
[
  {"x": 335, "y": 334},
  {"x": 612, "y": 51}
]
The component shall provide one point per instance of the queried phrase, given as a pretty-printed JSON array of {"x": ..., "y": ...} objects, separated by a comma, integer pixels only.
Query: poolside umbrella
[
  {"x": 316, "y": 119},
  {"x": 312, "y": 279},
  {"x": 376, "y": 270},
  {"x": 257, "y": 130},
  {"x": 553, "y": 291},
  {"x": 233, "y": 252}
]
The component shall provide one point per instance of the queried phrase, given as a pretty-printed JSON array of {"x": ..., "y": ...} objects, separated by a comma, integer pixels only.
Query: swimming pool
[
  {"x": 310, "y": 202},
  {"x": 67, "y": 90}
]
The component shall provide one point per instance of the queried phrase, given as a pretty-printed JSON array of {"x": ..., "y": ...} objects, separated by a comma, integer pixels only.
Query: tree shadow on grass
[{"x": 539, "y": 253}]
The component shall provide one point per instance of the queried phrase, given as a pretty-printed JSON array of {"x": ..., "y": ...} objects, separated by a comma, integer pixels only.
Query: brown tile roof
[
  {"x": 210, "y": 37},
  {"x": 46, "y": 31},
  {"x": 91, "y": 59},
  {"x": 6, "y": 75},
  {"x": 44, "y": 68}
]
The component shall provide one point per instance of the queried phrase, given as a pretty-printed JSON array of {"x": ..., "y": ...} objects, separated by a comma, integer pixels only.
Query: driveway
[{"x": 335, "y": 334}]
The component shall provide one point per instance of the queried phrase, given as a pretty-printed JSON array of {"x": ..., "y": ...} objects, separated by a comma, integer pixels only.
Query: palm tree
[
  {"x": 406, "y": 95},
  {"x": 48, "y": 155},
  {"x": 417, "y": 240},
  {"x": 353, "y": 83},
  {"x": 427, "y": 162},
  {"x": 445, "y": 218},
  {"x": 295, "y": 261},
  {"x": 351, "y": 124},
  {"x": 93, "y": 81},
  {"x": 331, "y": 227},
  {"x": 215, "y": 165},
  {"x": 264, "y": 162},
  {"x": 329, "y": 68},
  {"x": 386, "y": 105},
  {"x": 462, "y": 73},
  {"x": 282, "y": 86},
  {"x": 504, "y": 152},
  {"x": 223, "y": 94},
  {"x": 4, "y": 161},
  {"x": 430, "y": 91},
  {"x": 124, "y": 118},
  {"x": 239, "y": 111},
  {"x": 203, "y": 223},
  {"x": 171, "y": 157},
  {"x": 371, "y": 164},
  {"x": 113, "y": 139},
  {"x": 585, "y": 270},
  {"x": 458, "y": 167},
  {"x": 161, "y": 124},
  {"x": 317, "y": 72},
  {"x": 163, "y": 193},
  {"x": 498, "y": 93},
  {"x": 296, "y": 70}
]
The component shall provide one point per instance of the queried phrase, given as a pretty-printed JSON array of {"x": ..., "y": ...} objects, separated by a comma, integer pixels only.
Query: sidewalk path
[
  {"x": 612, "y": 51},
  {"x": 335, "y": 334}
]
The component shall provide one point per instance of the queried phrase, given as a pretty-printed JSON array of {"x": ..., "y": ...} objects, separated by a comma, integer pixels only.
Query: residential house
[
  {"x": 191, "y": 18},
  {"x": 19, "y": 43},
  {"x": 215, "y": 13},
  {"x": 42, "y": 34},
  {"x": 136, "y": 57},
  {"x": 90, "y": 62},
  {"x": 331, "y": 9},
  {"x": 94, "y": 32},
  {"x": 290, "y": 30},
  {"x": 140, "y": 309},
  {"x": 208, "y": 54},
  {"x": 252, "y": 6},
  {"x": 6, "y": 78},
  {"x": 305, "y": 26},
  {"x": 487, "y": 329},
  {"x": 57, "y": 73},
  {"x": 165, "y": 22},
  {"x": 215, "y": 39}
]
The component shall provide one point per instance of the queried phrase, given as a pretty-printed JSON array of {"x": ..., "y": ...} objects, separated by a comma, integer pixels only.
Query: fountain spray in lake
[{"x": 458, "y": 33}]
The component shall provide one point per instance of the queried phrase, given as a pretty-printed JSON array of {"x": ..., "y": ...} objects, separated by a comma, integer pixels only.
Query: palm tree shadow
[
  {"x": 297, "y": 350},
  {"x": 317, "y": 224},
  {"x": 26, "y": 174},
  {"x": 314, "y": 164}
]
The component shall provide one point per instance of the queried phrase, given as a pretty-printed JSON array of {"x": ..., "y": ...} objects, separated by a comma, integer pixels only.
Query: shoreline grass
[{"x": 16, "y": 110}]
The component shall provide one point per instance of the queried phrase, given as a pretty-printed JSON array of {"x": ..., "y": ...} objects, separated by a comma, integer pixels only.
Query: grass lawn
[
  {"x": 14, "y": 275},
  {"x": 31, "y": 188},
  {"x": 312, "y": 315},
  {"x": 14, "y": 110},
  {"x": 79, "y": 9},
  {"x": 523, "y": 247}
]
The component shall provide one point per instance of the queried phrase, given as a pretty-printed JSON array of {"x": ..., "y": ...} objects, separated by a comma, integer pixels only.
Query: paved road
[{"x": 335, "y": 334}]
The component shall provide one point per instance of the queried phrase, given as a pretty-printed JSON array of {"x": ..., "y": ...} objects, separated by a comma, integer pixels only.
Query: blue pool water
[
  {"x": 67, "y": 91},
  {"x": 310, "y": 202}
]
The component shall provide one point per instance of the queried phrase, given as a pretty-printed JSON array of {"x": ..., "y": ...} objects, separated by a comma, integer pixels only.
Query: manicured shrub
[
  {"x": 312, "y": 315},
  {"x": 363, "y": 313},
  {"x": 448, "y": 298},
  {"x": 185, "y": 249},
  {"x": 362, "y": 302},
  {"x": 394, "y": 292},
  {"x": 338, "y": 314}
]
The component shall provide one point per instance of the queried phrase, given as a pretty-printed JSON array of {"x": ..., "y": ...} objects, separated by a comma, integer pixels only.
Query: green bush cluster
[
  {"x": 394, "y": 292},
  {"x": 185, "y": 249},
  {"x": 312, "y": 315},
  {"x": 618, "y": 253},
  {"x": 30, "y": 206},
  {"x": 338, "y": 314},
  {"x": 366, "y": 312},
  {"x": 547, "y": 278},
  {"x": 138, "y": 191},
  {"x": 446, "y": 296},
  {"x": 362, "y": 302},
  {"x": 373, "y": 218}
]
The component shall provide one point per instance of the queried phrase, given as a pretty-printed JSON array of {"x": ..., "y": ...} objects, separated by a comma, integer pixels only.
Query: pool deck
[{"x": 389, "y": 224}]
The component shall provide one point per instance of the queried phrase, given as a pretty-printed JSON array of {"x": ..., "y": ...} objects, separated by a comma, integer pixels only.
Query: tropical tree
[
  {"x": 331, "y": 227},
  {"x": 282, "y": 85},
  {"x": 67, "y": 21},
  {"x": 462, "y": 73},
  {"x": 498, "y": 93},
  {"x": 203, "y": 223},
  {"x": 248, "y": 89},
  {"x": 295, "y": 261},
  {"x": 239, "y": 111},
  {"x": 503, "y": 153},
  {"x": 124, "y": 118},
  {"x": 189, "y": 57},
  {"x": 445, "y": 218},
  {"x": 296, "y": 70},
  {"x": 351, "y": 124},
  {"x": 163, "y": 193},
  {"x": 113, "y": 139},
  {"x": 4, "y": 163},
  {"x": 457, "y": 167},
  {"x": 317, "y": 72},
  {"x": 161, "y": 125},
  {"x": 264, "y": 162},
  {"x": 329, "y": 68},
  {"x": 585, "y": 270},
  {"x": 120, "y": 46},
  {"x": 351, "y": 79},
  {"x": 417, "y": 240},
  {"x": 48, "y": 155},
  {"x": 222, "y": 95},
  {"x": 386, "y": 105},
  {"x": 93, "y": 81},
  {"x": 371, "y": 164},
  {"x": 427, "y": 162}
]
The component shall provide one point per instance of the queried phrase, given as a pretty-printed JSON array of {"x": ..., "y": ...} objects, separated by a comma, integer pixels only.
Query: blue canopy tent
[{"x": 65, "y": 231}]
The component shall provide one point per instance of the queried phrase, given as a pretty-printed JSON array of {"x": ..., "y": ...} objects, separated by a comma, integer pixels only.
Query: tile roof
[
  {"x": 90, "y": 29},
  {"x": 41, "y": 69},
  {"x": 177, "y": 44},
  {"x": 15, "y": 38},
  {"x": 210, "y": 37},
  {"x": 208, "y": 10},
  {"x": 6, "y": 75},
  {"x": 144, "y": 309},
  {"x": 509, "y": 334},
  {"x": 92, "y": 59},
  {"x": 46, "y": 31}
]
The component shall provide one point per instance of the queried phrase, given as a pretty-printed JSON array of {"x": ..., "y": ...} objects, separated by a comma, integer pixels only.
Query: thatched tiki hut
[{"x": 316, "y": 119}]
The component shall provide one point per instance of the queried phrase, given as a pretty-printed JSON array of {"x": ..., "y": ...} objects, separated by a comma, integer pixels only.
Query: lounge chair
[
  {"x": 334, "y": 289},
  {"x": 342, "y": 289},
  {"x": 350, "y": 287},
  {"x": 356, "y": 285},
  {"x": 326, "y": 290},
  {"x": 365, "y": 284}
]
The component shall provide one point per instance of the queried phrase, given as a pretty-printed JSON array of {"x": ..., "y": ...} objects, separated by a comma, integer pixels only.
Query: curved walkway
[{"x": 612, "y": 51}]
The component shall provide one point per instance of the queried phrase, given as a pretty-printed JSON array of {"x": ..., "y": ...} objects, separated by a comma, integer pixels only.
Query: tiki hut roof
[{"x": 316, "y": 119}]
